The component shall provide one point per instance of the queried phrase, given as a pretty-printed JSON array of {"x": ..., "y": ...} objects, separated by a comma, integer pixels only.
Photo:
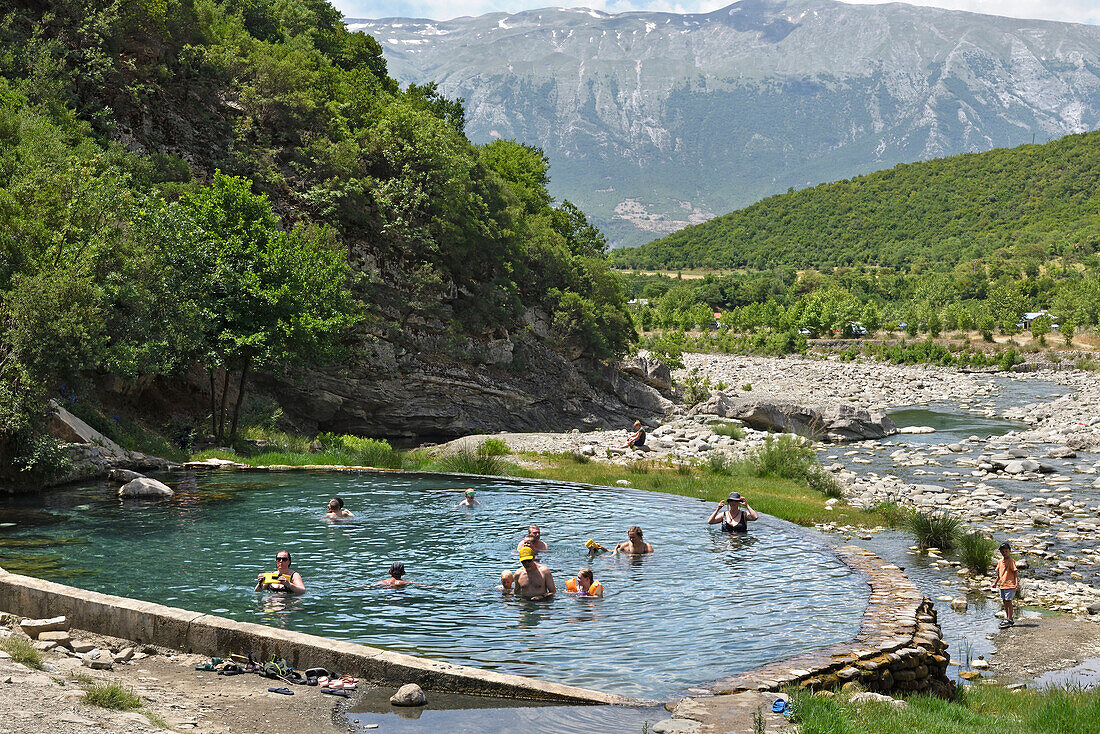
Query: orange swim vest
[{"x": 596, "y": 589}]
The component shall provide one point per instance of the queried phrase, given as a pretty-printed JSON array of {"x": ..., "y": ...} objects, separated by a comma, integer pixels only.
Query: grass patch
[
  {"x": 935, "y": 530},
  {"x": 784, "y": 498},
  {"x": 976, "y": 551},
  {"x": 788, "y": 457},
  {"x": 470, "y": 462},
  {"x": 111, "y": 696},
  {"x": 893, "y": 515},
  {"x": 728, "y": 428},
  {"x": 22, "y": 651},
  {"x": 493, "y": 447},
  {"x": 985, "y": 709},
  {"x": 1089, "y": 365}
]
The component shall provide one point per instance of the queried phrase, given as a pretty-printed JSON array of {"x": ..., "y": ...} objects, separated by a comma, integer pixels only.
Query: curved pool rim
[{"x": 219, "y": 629}]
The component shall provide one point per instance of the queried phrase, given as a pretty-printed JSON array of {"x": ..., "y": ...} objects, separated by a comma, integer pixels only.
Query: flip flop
[
  {"x": 205, "y": 666},
  {"x": 335, "y": 692},
  {"x": 284, "y": 691}
]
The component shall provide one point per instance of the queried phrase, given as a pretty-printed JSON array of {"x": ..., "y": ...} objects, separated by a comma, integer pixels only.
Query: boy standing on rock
[{"x": 1007, "y": 581}]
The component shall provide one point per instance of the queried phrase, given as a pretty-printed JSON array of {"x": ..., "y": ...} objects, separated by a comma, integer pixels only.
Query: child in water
[
  {"x": 397, "y": 570},
  {"x": 584, "y": 585},
  {"x": 469, "y": 501}
]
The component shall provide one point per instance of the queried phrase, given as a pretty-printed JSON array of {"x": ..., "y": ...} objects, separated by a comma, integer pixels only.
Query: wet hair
[
  {"x": 528, "y": 540},
  {"x": 507, "y": 578},
  {"x": 634, "y": 530},
  {"x": 340, "y": 500},
  {"x": 585, "y": 573},
  {"x": 397, "y": 569},
  {"x": 334, "y": 505},
  {"x": 536, "y": 527},
  {"x": 288, "y": 561}
]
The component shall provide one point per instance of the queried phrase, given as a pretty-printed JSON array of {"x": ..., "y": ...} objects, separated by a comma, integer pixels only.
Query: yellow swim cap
[{"x": 526, "y": 554}]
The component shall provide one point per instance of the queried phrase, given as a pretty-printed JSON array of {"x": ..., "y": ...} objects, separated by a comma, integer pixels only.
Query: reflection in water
[{"x": 275, "y": 608}]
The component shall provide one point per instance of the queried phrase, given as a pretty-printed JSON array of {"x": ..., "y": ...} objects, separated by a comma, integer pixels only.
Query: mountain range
[{"x": 653, "y": 121}]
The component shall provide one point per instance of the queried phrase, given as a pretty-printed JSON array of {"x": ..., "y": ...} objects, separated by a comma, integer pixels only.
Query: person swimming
[
  {"x": 397, "y": 570},
  {"x": 583, "y": 584},
  {"x": 469, "y": 500},
  {"x": 634, "y": 545},
  {"x": 533, "y": 540},
  {"x": 283, "y": 579},
  {"x": 336, "y": 510}
]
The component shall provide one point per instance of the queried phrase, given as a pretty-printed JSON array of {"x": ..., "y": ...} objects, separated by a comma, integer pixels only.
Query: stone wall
[{"x": 899, "y": 648}]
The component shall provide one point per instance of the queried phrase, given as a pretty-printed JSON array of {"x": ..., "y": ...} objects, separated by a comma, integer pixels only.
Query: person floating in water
[
  {"x": 583, "y": 584},
  {"x": 532, "y": 579},
  {"x": 283, "y": 579},
  {"x": 397, "y": 570},
  {"x": 637, "y": 439},
  {"x": 533, "y": 540},
  {"x": 634, "y": 545},
  {"x": 734, "y": 514},
  {"x": 336, "y": 510},
  {"x": 469, "y": 500}
]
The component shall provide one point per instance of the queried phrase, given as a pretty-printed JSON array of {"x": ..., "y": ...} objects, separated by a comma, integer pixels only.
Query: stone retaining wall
[
  {"x": 899, "y": 647},
  {"x": 147, "y": 623}
]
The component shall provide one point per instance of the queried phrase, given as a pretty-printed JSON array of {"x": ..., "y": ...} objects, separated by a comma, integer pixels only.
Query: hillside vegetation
[
  {"x": 1011, "y": 209},
  {"x": 238, "y": 187}
]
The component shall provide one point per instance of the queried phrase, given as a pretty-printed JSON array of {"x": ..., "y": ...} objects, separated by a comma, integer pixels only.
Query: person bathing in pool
[
  {"x": 583, "y": 584},
  {"x": 533, "y": 540},
  {"x": 634, "y": 545},
  {"x": 532, "y": 579},
  {"x": 283, "y": 579},
  {"x": 734, "y": 514},
  {"x": 397, "y": 570},
  {"x": 469, "y": 500},
  {"x": 336, "y": 510}
]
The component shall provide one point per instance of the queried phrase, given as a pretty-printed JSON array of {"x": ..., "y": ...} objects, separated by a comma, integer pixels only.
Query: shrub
[
  {"x": 724, "y": 428},
  {"x": 22, "y": 651},
  {"x": 976, "y": 551},
  {"x": 696, "y": 388},
  {"x": 785, "y": 457},
  {"x": 893, "y": 515},
  {"x": 935, "y": 530},
  {"x": 822, "y": 481},
  {"x": 747, "y": 387},
  {"x": 111, "y": 696},
  {"x": 471, "y": 462},
  {"x": 493, "y": 447},
  {"x": 720, "y": 464},
  {"x": 361, "y": 451}
]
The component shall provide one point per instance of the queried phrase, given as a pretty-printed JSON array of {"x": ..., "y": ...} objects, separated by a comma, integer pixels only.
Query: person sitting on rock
[
  {"x": 583, "y": 584},
  {"x": 533, "y": 540},
  {"x": 734, "y": 514},
  {"x": 1007, "y": 581},
  {"x": 637, "y": 439},
  {"x": 397, "y": 570},
  {"x": 533, "y": 580},
  {"x": 634, "y": 545},
  {"x": 336, "y": 510},
  {"x": 468, "y": 500},
  {"x": 283, "y": 579}
]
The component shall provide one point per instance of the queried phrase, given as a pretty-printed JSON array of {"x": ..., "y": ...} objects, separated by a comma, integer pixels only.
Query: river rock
[
  {"x": 60, "y": 638},
  {"x": 1061, "y": 452},
  {"x": 124, "y": 475},
  {"x": 98, "y": 660},
  {"x": 409, "y": 694},
  {"x": 34, "y": 627},
  {"x": 145, "y": 487},
  {"x": 676, "y": 726},
  {"x": 865, "y": 696},
  {"x": 652, "y": 372},
  {"x": 959, "y": 604}
]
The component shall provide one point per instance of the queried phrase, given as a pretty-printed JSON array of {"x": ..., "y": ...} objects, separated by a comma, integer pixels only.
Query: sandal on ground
[
  {"x": 284, "y": 691},
  {"x": 317, "y": 673},
  {"x": 294, "y": 677},
  {"x": 1005, "y": 624},
  {"x": 205, "y": 666},
  {"x": 335, "y": 692}
]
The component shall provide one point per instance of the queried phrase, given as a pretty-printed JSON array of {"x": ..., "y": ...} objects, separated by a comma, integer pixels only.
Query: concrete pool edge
[
  {"x": 149, "y": 623},
  {"x": 899, "y": 646}
]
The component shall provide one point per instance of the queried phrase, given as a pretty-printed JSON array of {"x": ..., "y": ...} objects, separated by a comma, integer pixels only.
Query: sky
[{"x": 1075, "y": 11}]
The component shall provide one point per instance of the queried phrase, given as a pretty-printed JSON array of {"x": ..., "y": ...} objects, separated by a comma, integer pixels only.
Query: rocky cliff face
[
  {"x": 519, "y": 385},
  {"x": 658, "y": 120}
]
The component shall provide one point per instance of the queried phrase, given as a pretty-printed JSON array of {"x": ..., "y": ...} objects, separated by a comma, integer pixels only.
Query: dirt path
[{"x": 1041, "y": 644}]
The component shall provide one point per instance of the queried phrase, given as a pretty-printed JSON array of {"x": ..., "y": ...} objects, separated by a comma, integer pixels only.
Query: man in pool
[
  {"x": 583, "y": 584},
  {"x": 336, "y": 510},
  {"x": 533, "y": 580},
  {"x": 734, "y": 514},
  {"x": 634, "y": 545},
  {"x": 533, "y": 540},
  {"x": 397, "y": 570},
  {"x": 469, "y": 500},
  {"x": 283, "y": 579}
]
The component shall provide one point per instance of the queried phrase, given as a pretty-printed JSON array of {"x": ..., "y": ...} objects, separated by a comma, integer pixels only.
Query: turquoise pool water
[{"x": 704, "y": 606}]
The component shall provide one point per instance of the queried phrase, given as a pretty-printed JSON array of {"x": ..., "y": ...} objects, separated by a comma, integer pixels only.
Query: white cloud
[{"x": 1076, "y": 11}]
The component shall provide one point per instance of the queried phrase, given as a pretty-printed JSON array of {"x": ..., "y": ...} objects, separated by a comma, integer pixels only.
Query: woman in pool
[
  {"x": 283, "y": 579},
  {"x": 584, "y": 585},
  {"x": 336, "y": 510},
  {"x": 734, "y": 514}
]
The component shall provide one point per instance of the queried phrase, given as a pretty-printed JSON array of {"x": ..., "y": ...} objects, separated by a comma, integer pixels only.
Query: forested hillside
[
  {"x": 238, "y": 187},
  {"x": 1022, "y": 206}
]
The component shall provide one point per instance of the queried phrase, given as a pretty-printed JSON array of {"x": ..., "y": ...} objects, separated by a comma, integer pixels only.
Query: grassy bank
[
  {"x": 781, "y": 479},
  {"x": 983, "y": 709}
]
